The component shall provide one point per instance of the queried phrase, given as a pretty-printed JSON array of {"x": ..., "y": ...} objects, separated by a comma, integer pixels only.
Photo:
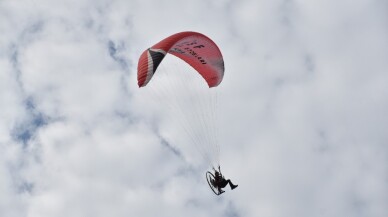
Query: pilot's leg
[{"x": 231, "y": 184}]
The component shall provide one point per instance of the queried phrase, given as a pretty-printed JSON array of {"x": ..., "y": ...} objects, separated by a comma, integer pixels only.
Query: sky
[{"x": 302, "y": 110}]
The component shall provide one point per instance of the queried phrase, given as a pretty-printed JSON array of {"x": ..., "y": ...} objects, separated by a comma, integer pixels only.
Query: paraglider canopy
[
  {"x": 182, "y": 94},
  {"x": 194, "y": 48}
]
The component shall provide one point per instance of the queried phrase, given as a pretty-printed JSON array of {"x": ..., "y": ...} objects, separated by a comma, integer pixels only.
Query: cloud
[{"x": 302, "y": 110}]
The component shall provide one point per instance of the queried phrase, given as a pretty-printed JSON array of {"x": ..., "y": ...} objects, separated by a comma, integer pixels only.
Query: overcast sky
[{"x": 303, "y": 109}]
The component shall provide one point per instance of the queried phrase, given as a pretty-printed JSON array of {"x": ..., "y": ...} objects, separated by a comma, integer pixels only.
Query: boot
[{"x": 233, "y": 186}]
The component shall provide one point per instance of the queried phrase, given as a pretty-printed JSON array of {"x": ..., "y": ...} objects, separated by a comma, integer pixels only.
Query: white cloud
[{"x": 302, "y": 109}]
